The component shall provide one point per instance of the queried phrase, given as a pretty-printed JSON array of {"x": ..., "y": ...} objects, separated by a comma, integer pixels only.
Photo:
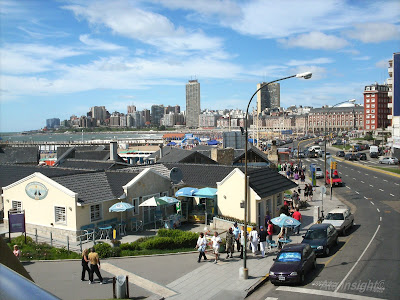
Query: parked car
[
  {"x": 340, "y": 153},
  {"x": 341, "y": 218},
  {"x": 292, "y": 263},
  {"x": 374, "y": 154},
  {"x": 350, "y": 156},
  {"x": 319, "y": 173},
  {"x": 388, "y": 160},
  {"x": 361, "y": 156},
  {"x": 321, "y": 237},
  {"x": 336, "y": 180}
]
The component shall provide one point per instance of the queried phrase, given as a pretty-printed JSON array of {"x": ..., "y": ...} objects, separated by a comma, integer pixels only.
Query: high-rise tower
[
  {"x": 268, "y": 97},
  {"x": 192, "y": 103}
]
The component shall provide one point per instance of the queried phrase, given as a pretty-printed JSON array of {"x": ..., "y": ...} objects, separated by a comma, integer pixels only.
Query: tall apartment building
[
  {"x": 131, "y": 109},
  {"x": 52, "y": 123},
  {"x": 114, "y": 119},
  {"x": 376, "y": 112},
  {"x": 268, "y": 97},
  {"x": 177, "y": 109},
  {"x": 208, "y": 120},
  {"x": 192, "y": 104},
  {"x": 394, "y": 103},
  {"x": 99, "y": 113},
  {"x": 157, "y": 112},
  {"x": 145, "y": 114}
]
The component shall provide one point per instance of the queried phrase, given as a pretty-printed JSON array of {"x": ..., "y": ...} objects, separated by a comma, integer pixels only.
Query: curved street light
[
  {"x": 326, "y": 119},
  {"x": 306, "y": 75}
]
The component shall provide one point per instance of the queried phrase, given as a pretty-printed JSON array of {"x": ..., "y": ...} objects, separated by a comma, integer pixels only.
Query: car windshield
[
  {"x": 318, "y": 169},
  {"x": 335, "y": 176},
  {"x": 315, "y": 234},
  {"x": 289, "y": 256},
  {"x": 335, "y": 216}
]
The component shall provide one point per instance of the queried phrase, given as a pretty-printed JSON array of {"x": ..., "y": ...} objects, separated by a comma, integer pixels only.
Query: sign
[
  {"x": 16, "y": 222},
  {"x": 323, "y": 190},
  {"x": 36, "y": 190}
]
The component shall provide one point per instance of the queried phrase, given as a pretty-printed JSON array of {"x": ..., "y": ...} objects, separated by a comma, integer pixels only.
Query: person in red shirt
[
  {"x": 297, "y": 215},
  {"x": 270, "y": 230}
]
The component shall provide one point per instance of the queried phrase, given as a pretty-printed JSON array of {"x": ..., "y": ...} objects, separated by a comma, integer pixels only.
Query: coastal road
[{"x": 366, "y": 262}]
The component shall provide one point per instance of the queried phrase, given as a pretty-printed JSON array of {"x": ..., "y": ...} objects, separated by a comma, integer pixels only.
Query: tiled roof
[
  {"x": 266, "y": 182},
  {"x": 165, "y": 150},
  {"x": 92, "y": 164},
  {"x": 159, "y": 168},
  {"x": 179, "y": 155},
  {"x": 118, "y": 179},
  {"x": 251, "y": 148},
  {"x": 19, "y": 155}
]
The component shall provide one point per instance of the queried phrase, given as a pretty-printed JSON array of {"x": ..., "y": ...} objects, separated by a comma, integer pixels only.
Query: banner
[{"x": 16, "y": 222}]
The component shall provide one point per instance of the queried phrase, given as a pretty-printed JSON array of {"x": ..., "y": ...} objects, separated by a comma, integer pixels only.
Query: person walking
[
  {"x": 310, "y": 192},
  {"x": 236, "y": 233},
  {"x": 262, "y": 236},
  {"x": 230, "y": 242},
  {"x": 270, "y": 230},
  {"x": 295, "y": 199},
  {"x": 94, "y": 266},
  {"x": 253, "y": 237},
  {"x": 242, "y": 242},
  {"x": 85, "y": 264},
  {"x": 201, "y": 246},
  {"x": 297, "y": 215},
  {"x": 216, "y": 240}
]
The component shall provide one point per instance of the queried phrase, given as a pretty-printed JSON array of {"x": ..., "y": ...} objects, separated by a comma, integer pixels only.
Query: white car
[
  {"x": 319, "y": 173},
  {"x": 388, "y": 160},
  {"x": 341, "y": 219}
]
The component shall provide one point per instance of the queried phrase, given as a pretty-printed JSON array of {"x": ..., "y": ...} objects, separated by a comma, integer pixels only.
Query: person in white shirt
[
  {"x": 201, "y": 246},
  {"x": 253, "y": 238},
  {"x": 216, "y": 240},
  {"x": 242, "y": 242}
]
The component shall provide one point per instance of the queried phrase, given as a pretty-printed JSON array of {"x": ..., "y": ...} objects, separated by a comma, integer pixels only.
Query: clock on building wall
[{"x": 36, "y": 190}]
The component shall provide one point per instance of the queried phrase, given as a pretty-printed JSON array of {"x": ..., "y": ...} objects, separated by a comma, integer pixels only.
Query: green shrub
[
  {"x": 115, "y": 252},
  {"x": 125, "y": 246},
  {"x": 20, "y": 241},
  {"x": 127, "y": 253},
  {"x": 158, "y": 243},
  {"x": 103, "y": 249}
]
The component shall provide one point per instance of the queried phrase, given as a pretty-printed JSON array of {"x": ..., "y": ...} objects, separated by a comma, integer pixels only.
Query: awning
[{"x": 186, "y": 192}]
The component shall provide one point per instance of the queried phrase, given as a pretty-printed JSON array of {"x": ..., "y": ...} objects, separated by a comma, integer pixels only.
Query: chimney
[
  {"x": 113, "y": 150},
  {"x": 161, "y": 151}
]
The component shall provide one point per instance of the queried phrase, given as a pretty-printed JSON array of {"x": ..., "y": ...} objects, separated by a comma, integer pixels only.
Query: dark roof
[
  {"x": 91, "y": 164},
  {"x": 91, "y": 187},
  {"x": 95, "y": 155},
  {"x": 203, "y": 148},
  {"x": 251, "y": 149},
  {"x": 118, "y": 179},
  {"x": 266, "y": 181},
  {"x": 19, "y": 155},
  {"x": 159, "y": 168},
  {"x": 11, "y": 173},
  {"x": 336, "y": 109},
  {"x": 177, "y": 155},
  {"x": 165, "y": 150}
]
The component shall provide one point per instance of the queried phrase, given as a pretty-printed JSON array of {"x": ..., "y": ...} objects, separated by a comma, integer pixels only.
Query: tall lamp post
[
  {"x": 245, "y": 271},
  {"x": 326, "y": 119}
]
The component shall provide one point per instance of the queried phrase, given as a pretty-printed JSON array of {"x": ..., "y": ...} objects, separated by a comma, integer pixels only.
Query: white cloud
[
  {"x": 374, "y": 32},
  {"x": 318, "y": 61},
  {"x": 98, "y": 44},
  {"x": 315, "y": 40},
  {"x": 366, "y": 57},
  {"x": 382, "y": 64},
  {"x": 125, "y": 19}
]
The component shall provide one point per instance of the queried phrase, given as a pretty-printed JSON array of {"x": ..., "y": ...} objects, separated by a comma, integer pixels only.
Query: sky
[{"x": 59, "y": 58}]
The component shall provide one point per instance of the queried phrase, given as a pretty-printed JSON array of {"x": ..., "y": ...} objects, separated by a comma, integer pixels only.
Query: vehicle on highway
[
  {"x": 340, "y": 153},
  {"x": 336, "y": 179},
  {"x": 361, "y": 156},
  {"x": 328, "y": 155},
  {"x": 319, "y": 173},
  {"x": 315, "y": 148},
  {"x": 292, "y": 263},
  {"x": 341, "y": 218},
  {"x": 322, "y": 238},
  {"x": 388, "y": 160},
  {"x": 350, "y": 156},
  {"x": 373, "y": 149}
]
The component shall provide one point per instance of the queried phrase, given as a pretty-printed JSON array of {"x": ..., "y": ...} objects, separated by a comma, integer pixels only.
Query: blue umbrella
[
  {"x": 171, "y": 144},
  {"x": 285, "y": 221},
  {"x": 186, "y": 192},
  {"x": 206, "y": 193},
  {"x": 121, "y": 207},
  {"x": 213, "y": 142}
]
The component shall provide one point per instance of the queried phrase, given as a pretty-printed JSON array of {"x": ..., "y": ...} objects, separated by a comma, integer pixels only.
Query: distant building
[
  {"x": 99, "y": 113},
  {"x": 53, "y": 123},
  {"x": 192, "y": 104},
  {"x": 394, "y": 103},
  {"x": 114, "y": 119},
  {"x": 177, "y": 109},
  {"x": 376, "y": 101},
  {"x": 268, "y": 96},
  {"x": 208, "y": 120},
  {"x": 131, "y": 109},
  {"x": 157, "y": 112},
  {"x": 145, "y": 114}
]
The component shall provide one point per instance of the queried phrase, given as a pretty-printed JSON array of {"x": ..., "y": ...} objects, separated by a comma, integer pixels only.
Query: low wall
[{"x": 219, "y": 224}]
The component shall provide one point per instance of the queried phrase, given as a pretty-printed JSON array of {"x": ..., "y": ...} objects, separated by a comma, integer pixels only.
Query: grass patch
[
  {"x": 397, "y": 171},
  {"x": 340, "y": 147}
]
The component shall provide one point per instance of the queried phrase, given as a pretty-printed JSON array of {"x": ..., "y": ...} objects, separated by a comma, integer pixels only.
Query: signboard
[{"x": 16, "y": 222}]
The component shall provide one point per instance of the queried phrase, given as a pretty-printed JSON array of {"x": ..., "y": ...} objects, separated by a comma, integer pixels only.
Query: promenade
[{"x": 175, "y": 276}]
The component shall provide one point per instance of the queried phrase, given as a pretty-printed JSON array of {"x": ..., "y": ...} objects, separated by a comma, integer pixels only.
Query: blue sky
[{"x": 59, "y": 58}]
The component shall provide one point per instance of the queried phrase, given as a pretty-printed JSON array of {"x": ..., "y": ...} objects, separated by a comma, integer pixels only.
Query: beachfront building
[
  {"x": 268, "y": 96},
  {"x": 192, "y": 104}
]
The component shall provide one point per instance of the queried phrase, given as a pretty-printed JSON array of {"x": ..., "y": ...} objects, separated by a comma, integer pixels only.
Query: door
[{"x": 260, "y": 213}]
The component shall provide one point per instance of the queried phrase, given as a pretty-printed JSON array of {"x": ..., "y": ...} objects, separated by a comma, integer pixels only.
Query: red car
[{"x": 336, "y": 180}]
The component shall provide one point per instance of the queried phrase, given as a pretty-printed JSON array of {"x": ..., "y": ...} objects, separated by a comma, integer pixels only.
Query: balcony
[
  {"x": 390, "y": 82},
  {"x": 390, "y": 71},
  {"x": 390, "y": 117},
  {"x": 390, "y": 105},
  {"x": 390, "y": 94}
]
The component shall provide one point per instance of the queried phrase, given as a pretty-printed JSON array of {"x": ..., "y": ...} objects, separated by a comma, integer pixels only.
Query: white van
[
  {"x": 373, "y": 149},
  {"x": 317, "y": 149}
]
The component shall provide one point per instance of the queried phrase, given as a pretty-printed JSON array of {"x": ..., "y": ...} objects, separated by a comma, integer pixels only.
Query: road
[{"x": 366, "y": 263}]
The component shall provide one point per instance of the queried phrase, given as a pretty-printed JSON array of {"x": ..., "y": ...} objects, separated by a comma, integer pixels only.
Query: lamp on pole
[
  {"x": 326, "y": 119},
  {"x": 245, "y": 271}
]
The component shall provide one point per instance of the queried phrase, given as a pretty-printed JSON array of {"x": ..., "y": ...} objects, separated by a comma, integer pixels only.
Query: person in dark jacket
[
  {"x": 284, "y": 210},
  {"x": 230, "y": 242},
  {"x": 262, "y": 235},
  {"x": 85, "y": 266}
]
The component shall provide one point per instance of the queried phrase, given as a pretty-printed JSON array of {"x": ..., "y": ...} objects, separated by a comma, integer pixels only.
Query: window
[
  {"x": 367, "y": 111},
  {"x": 367, "y": 106},
  {"x": 135, "y": 203},
  {"x": 60, "y": 214},
  {"x": 16, "y": 205},
  {"x": 95, "y": 212},
  {"x": 367, "y": 126},
  {"x": 373, "y": 111},
  {"x": 279, "y": 199},
  {"x": 373, "y": 127},
  {"x": 368, "y": 95},
  {"x": 373, "y": 100},
  {"x": 373, "y": 121},
  {"x": 367, "y": 121},
  {"x": 373, "y": 105}
]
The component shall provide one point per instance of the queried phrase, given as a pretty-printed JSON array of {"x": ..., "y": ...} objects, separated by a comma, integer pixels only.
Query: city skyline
[{"x": 61, "y": 57}]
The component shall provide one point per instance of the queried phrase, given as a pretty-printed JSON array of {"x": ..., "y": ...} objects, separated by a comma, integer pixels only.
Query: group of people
[
  {"x": 293, "y": 171},
  {"x": 94, "y": 260}
]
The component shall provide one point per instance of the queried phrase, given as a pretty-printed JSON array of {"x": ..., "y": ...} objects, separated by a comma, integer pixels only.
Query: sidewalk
[{"x": 177, "y": 276}]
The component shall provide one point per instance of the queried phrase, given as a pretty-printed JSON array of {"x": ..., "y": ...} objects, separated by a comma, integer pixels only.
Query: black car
[
  {"x": 374, "y": 155},
  {"x": 321, "y": 238},
  {"x": 361, "y": 156},
  {"x": 350, "y": 156},
  {"x": 340, "y": 153},
  {"x": 292, "y": 263}
]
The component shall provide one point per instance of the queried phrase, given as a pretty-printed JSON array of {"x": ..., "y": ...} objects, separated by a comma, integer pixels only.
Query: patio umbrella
[
  {"x": 121, "y": 207},
  {"x": 206, "y": 193},
  {"x": 171, "y": 144},
  {"x": 186, "y": 192},
  {"x": 212, "y": 142},
  {"x": 153, "y": 201},
  {"x": 285, "y": 221}
]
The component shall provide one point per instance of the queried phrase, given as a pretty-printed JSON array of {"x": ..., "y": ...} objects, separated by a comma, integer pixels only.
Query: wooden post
[
  {"x": 80, "y": 243},
  {"x": 51, "y": 239},
  {"x": 36, "y": 235},
  {"x": 68, "y": 243},
  {"x": 114, "y": 294},
  {"x": 127, "y": 286}
]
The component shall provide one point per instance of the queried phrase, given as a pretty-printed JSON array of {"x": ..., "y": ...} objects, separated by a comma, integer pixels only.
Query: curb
[{"x": 257, "y": 285}]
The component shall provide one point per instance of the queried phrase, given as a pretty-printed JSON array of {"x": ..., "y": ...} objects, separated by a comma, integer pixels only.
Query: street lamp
[
  {"x": 306, "y": 75},
  {"x": 326, "y": 119}
]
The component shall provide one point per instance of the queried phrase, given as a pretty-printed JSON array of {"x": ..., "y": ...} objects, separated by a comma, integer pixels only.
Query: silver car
[
  {"x": 388, "y": 160},
  {"x": 341, "y": 218}
]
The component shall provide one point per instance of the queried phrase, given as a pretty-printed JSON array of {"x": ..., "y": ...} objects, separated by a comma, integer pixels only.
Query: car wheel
[
  {"x": 336, "y": 242},
  {"x": 315, "y": 264},
  {"x": 302, "y": 278},
  {"x": 344, "y": 231},
  {"x": 327, "y": 251}
]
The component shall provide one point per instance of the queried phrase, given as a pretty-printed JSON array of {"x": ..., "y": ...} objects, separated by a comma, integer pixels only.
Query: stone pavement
[{"x": 176, "y": 276}]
